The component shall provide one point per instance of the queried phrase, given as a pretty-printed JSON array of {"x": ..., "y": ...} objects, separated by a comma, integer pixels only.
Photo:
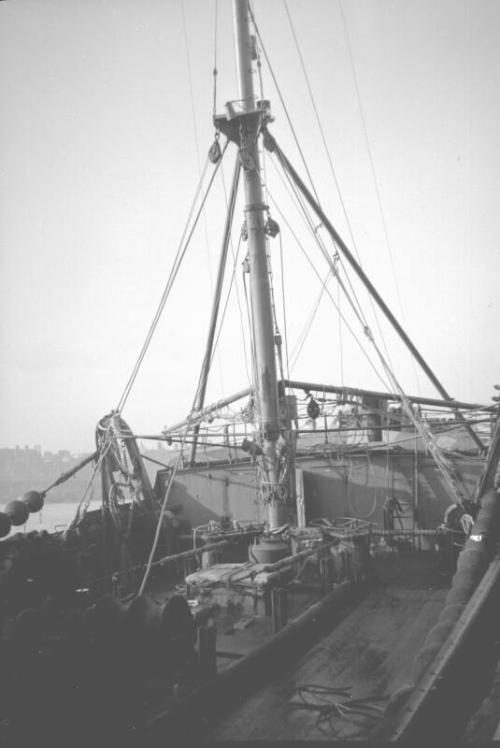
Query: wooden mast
[{"x": 260, "y": 293}]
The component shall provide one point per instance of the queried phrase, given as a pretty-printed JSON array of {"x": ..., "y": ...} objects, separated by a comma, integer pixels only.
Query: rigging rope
[
  {"x": 346, "y": 323},
  {"x": 312, "y": 314},
  {"x": 446, "y": 468},
  {"x": 448, "y": 472},
  {"x": 252, "y": 342},
  {"x": 215, "y": 71},
  {"x": 236, "y": 284},
  {"x": 455, "y": 484},
  {"x": 84, "y": 503},
  {"x": 177, "y": 465},
  {"x": 294, "y": 194},
  {"x": 330, "y": 161},
  {"x": 280, "y": 96},
  {"x": 190, "y": 82},
  {"x": 162, "y": 513},
  {"x": 287, "y": 166},
  {"x": 235, "y": 260},
  {"x": 318, "y": 120},
  {"x": 187, "y": 427},
  {"x": 374, "y": 177},
  {"x": 181, "y": 251},
  {"x": 285, "y": 327},
  {"x": 292, "y": 127},
  {"x": 197, "y": 141},
  {"x": 341, "y": 348}
]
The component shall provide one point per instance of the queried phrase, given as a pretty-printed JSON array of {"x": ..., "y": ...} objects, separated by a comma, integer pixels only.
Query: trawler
[{"x": 287, "y": 573}]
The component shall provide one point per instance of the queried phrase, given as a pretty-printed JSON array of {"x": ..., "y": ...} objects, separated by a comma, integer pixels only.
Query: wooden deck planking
[{"x": 371, "y": 651}]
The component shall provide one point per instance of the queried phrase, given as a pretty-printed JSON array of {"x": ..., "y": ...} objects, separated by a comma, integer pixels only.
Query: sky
[{"x": 106, "y": 122}]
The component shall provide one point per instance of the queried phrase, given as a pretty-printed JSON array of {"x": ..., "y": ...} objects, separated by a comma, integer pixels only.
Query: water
[{"x": 54, "y": 516}]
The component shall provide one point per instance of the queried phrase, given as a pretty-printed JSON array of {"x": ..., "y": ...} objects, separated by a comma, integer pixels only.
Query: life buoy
[
  {"x": 34, "y": 500},
  {"x": 17, "y": 511}
]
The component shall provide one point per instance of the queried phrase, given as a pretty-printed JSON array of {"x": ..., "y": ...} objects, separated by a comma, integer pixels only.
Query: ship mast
[{"x": 260, "y": 292}]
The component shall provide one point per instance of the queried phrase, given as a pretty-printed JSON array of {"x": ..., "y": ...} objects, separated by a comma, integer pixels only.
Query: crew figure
[
  {"x": 458, "y": 521},
  {"x": 391, "y": 509}
]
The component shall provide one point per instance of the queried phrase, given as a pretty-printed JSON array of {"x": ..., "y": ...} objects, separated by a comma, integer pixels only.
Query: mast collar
[{"x": 254, "y": 208}]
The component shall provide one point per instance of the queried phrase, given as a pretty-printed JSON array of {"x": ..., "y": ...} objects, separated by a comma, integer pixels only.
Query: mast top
[
  {"x": 247, "y": 110},
  {"x": 246, "y": 53}
]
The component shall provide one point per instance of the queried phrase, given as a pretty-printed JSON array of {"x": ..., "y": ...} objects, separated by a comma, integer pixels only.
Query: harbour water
[{"x": 54, "y": 516}]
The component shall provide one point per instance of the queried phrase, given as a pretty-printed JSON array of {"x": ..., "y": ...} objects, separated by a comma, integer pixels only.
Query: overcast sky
[{"x": 106, "y": 117}]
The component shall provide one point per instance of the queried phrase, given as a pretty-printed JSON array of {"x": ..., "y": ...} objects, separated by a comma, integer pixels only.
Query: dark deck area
[{"x": 370, "y": 651}]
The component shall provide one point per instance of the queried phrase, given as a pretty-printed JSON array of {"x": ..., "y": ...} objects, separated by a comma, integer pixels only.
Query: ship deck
[
  {"x": 369, "y": 652},
  {"x": 365, "y": 652}
]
